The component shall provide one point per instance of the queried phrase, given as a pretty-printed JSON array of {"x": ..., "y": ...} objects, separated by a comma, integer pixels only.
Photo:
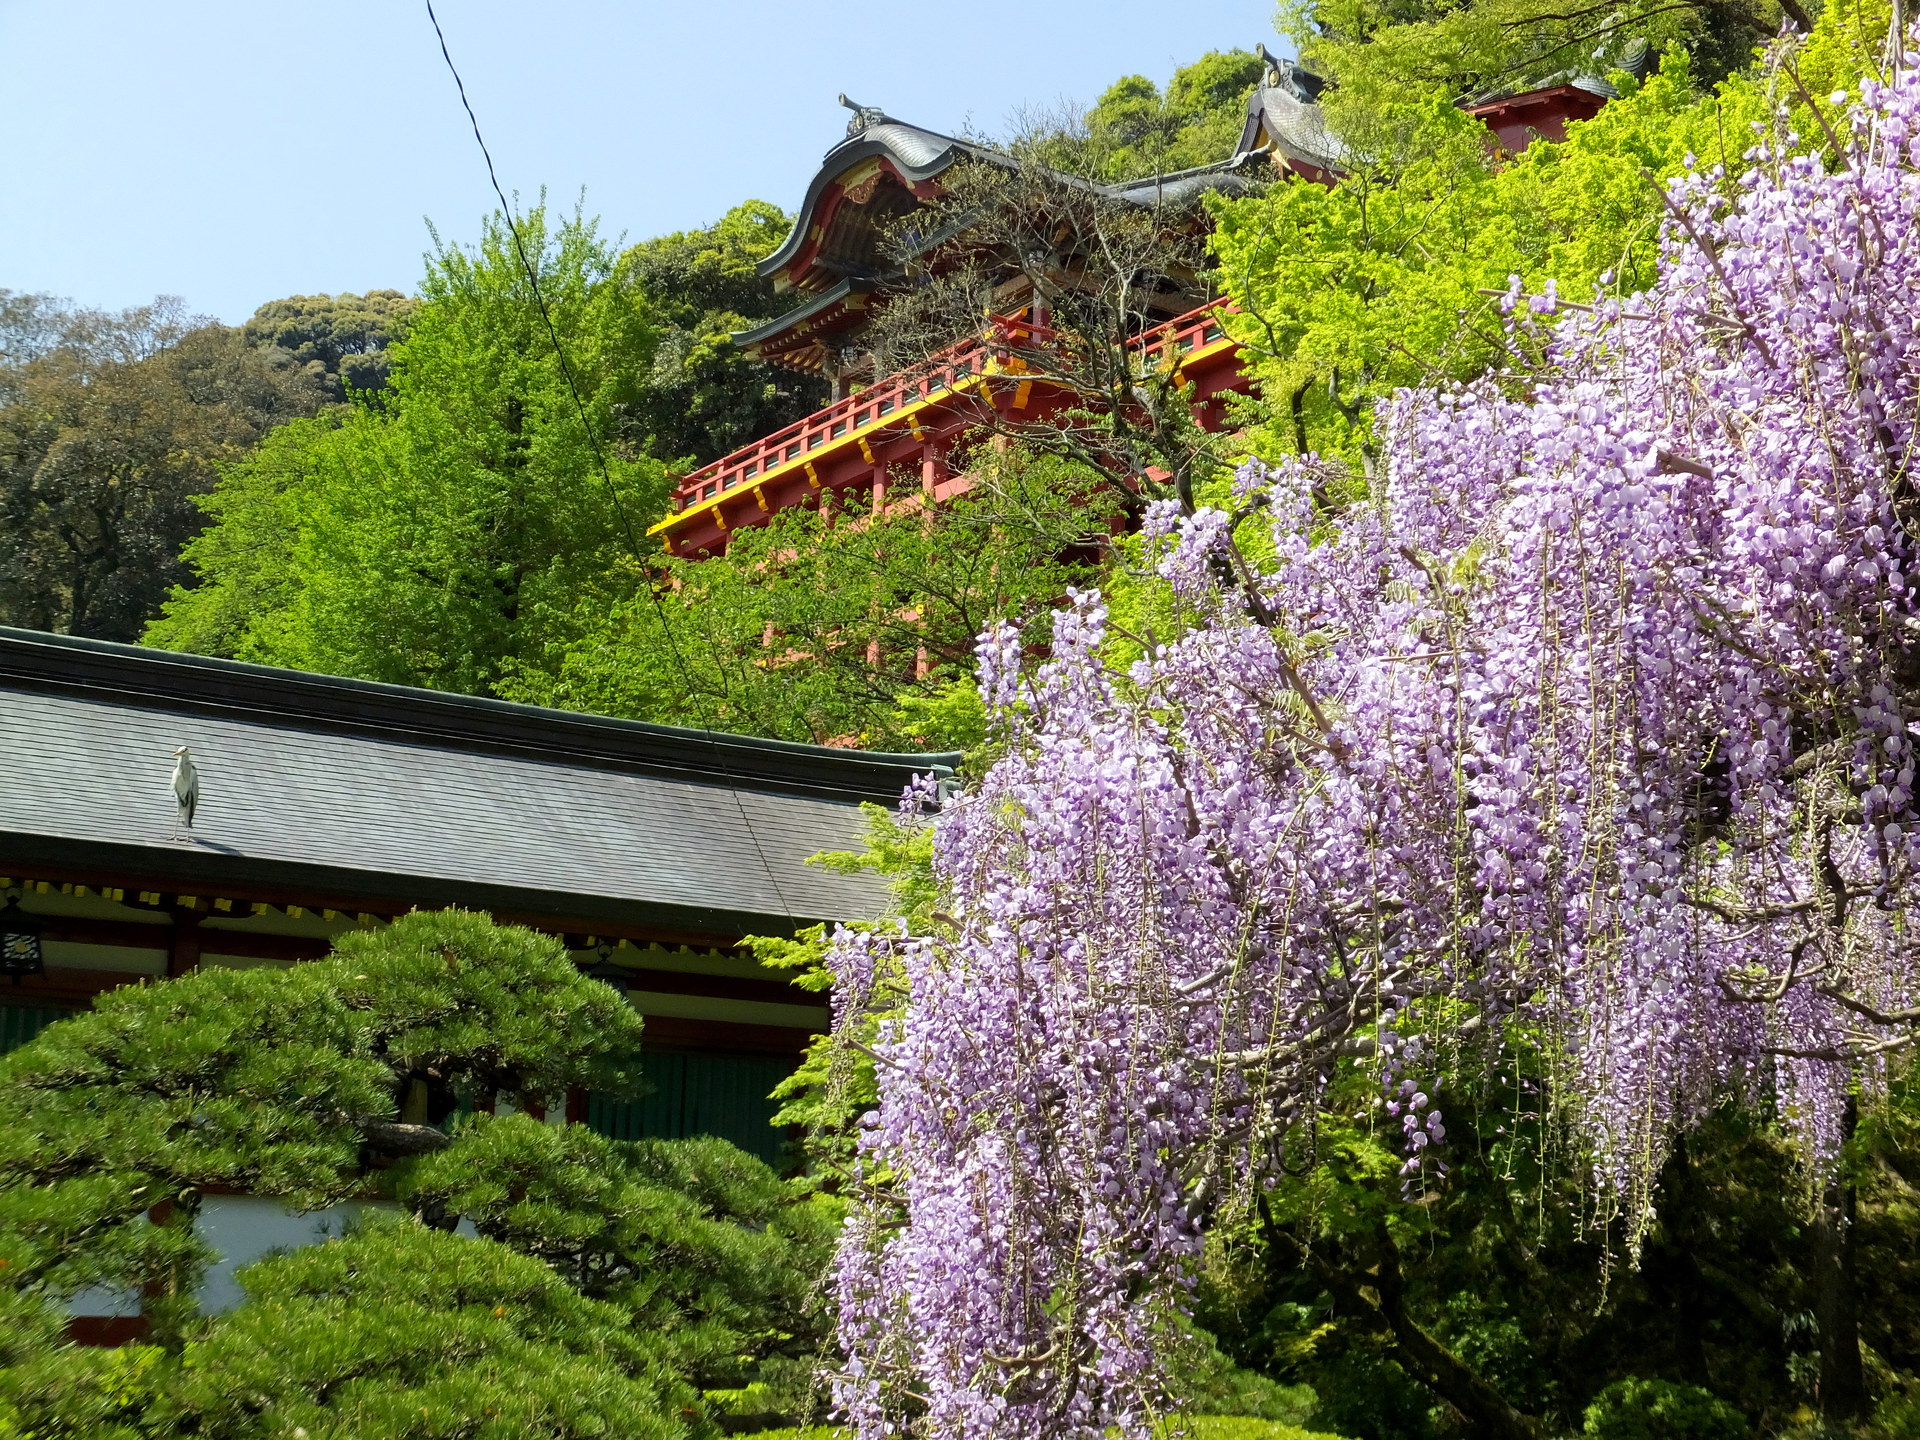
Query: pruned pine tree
[{"x": 610, "y": 1288}]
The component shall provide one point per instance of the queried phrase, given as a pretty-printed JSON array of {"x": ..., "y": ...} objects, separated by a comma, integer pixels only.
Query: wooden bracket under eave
[
  {"x": 813, "y": 476},
  {"x": 866, "y": 450},
  {"x": 760, "y": 494}
]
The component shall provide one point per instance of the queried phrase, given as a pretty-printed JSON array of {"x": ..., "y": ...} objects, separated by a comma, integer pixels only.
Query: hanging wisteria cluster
[{"x": 1589, "y": 724}]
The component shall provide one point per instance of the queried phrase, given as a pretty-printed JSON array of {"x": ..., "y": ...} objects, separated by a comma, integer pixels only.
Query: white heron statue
[{"x": 186, "y": 789}]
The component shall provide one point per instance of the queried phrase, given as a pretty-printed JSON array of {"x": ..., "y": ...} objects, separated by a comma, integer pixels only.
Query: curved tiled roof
[
  {"x": 916, "y": 153},
  {"x": 919, "y": 154},
  {"x": 1294, "y": 127},
  {"x": 1636, "y": 60}
]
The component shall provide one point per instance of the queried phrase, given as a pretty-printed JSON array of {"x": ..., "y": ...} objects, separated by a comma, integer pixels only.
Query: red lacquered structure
[{"x": 886, "y": 437}]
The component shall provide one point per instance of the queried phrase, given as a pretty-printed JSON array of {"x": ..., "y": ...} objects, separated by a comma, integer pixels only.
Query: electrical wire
[{"x": 600, "y": 459}]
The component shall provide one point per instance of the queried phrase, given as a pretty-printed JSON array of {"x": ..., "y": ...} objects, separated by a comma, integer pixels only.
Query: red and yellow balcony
[{"x": 897, "y": 435}]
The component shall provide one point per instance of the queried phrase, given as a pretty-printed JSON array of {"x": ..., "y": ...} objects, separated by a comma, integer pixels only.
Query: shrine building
[
  {"x": 329, "y": 805},
  {"x": 887, "y": 436}
]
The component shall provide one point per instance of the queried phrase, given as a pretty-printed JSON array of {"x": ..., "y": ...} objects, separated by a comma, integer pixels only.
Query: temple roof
[
  {"x": 1636, "y": 60},
  {"x": 1284, "y": 118},
  {"x": 421, "y": 797},
  {"x": 915, "y": 155},
  {"x": 881, "y": 170}
]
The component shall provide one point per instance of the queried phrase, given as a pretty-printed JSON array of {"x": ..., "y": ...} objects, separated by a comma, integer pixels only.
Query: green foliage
[
  {"x": 1352, "y": 291},
  {"x": 1136, "y": 130},
  {"x": 702, "y": 396},
  {"x": 403, "y": 1331},
  {"x": 609, "y": 1289},
  {"x": 835, "y": 1084},
  {"x": 1635, "y": 1409},
  {"x": 51, "y": 1389},
  {"x": 340, "y": 340},
  {"x": 109, "y": 426},
  {"x": 1371, "y": 49},
  {"x": 241, "y": 604},
  {"x": 826, "y": 625},
  {"x": 1237, "y": 1427},
  {"x": 272, "y": 1083},
  {"x": 1897, "y": 1417},
  {"x": 1237, "y": 1404},
  {"x": 1502, "y": 1267},
  {"x": 438, "y": 538},
  {"x": 693, "y": 1239}
]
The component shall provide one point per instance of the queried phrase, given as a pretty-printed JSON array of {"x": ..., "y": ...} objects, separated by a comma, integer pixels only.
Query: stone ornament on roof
[
  {"x": 863, "y": 116},
  {"x": 1291, "y": 76}
]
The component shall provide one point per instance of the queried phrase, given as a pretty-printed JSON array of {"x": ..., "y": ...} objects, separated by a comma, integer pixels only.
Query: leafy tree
[
  {"x": 1135, "y": 129},
  {"x": 110, "y": 425},
  {"x": 1463, "y": 49},
  {"x": 1353, "y": 291},
  {"x": 1662, "y": 1410},
  {"x": 826, "y": 625},
  {"x": 29, "y": 326},
  {"x": 609, "y": 1286},
  {"x": 342, "y": 340},
  {"x": 702, "y": 397},
  {"x": 437, "y": 538},
  {"x": 401, "y": 1330},
  {"x": 1504, "y": 1287}
]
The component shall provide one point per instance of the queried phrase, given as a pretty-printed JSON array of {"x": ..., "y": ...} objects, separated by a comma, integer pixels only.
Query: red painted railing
[{"x": 995, "y": 352}]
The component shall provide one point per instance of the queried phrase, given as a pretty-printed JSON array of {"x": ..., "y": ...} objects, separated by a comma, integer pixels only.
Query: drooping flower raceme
[{"x": 1590, "y": 720}]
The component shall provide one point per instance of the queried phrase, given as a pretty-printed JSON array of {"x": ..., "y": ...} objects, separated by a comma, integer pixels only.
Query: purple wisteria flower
[{"x": 1593, "y": 723}]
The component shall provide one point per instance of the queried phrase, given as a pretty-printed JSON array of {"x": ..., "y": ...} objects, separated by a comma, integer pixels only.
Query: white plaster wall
[
  {"x": 103, "y": 1300},
  {"x": 242, "y": 1228}
]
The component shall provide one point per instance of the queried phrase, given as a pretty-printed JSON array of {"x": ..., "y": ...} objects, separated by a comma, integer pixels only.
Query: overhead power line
[{"x": 600, "y": 459}]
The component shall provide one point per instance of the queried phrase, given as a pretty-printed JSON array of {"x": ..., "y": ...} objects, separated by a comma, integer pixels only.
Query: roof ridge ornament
[
  {"x": 863, "y": 116},
  {"x": 1290, "y": 76}
]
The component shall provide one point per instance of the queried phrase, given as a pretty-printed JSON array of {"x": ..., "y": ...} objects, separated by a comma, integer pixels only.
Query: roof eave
[
  {"x": 817, "y": 305},
  {"x": 843, "y": 157},
  {"x": 163, "y": 679},
  {"x": 184, "y": 869}
]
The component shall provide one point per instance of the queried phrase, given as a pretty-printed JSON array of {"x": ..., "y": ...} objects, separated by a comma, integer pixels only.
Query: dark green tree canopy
[
  {"x": 110, "y": 425},
  {"x": 1135, "y": 129},
  {"x": 341, "y": 339},
  {"x": 702, "y": 396},
  {"x": 608, "y": 1288}
]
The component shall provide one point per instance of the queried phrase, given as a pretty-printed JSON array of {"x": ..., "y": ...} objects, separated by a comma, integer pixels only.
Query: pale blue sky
[{"x": 233, "y": 151}]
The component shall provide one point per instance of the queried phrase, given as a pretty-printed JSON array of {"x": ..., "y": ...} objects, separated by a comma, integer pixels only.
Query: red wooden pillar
[{"x": 933, "y": 470}]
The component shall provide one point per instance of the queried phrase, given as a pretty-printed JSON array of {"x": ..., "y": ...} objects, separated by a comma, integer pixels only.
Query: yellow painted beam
[{"x": 910, "y": 414}]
